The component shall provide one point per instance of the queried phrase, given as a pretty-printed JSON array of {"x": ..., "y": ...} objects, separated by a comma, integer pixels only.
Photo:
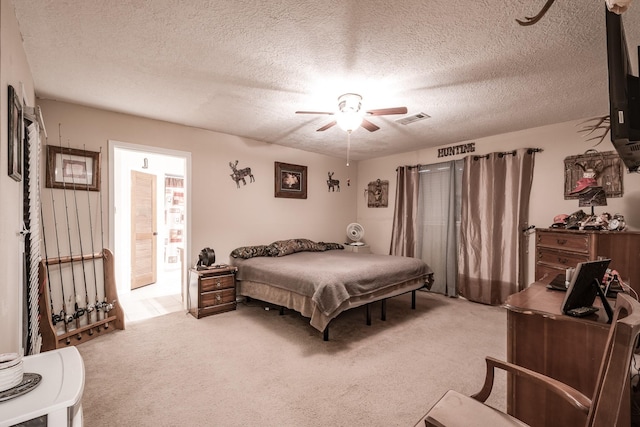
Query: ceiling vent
[{"x": 414, "y": 118}]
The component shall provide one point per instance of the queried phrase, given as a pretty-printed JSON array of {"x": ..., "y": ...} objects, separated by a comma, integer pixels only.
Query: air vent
[{"x": 412, "y": 119}]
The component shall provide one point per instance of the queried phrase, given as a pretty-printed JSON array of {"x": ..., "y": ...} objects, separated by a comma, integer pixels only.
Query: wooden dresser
[
  {"x": 559, "y": 249},
  {"x": 212, "y": 290}
]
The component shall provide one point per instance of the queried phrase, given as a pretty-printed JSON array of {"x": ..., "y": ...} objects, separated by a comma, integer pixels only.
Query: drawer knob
[
  {"x": 561, "y": 241},
  {"x": 564, "y": 261},
  {"x": 218, "y": 284},
  {"x": 218, "y": 298}
]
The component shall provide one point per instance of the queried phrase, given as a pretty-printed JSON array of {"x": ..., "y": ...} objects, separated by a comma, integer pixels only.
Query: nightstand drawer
[
  {"x": 564, "y": 241},
  {"x": 215, "y": 309},
  {"x": 217, "y": 283},
  {"x": 560, "y": 259},
  {"x": 217, "y": 297}
]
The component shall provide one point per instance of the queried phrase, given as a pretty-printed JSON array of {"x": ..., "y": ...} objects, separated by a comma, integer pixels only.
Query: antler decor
[
  {"x": 602, "y": 124},
  {"x": 530, "y": 20},
  {"x": 615, "y": 6}
]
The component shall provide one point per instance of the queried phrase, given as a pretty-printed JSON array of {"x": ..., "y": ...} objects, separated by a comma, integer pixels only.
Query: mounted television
[{"x": 624, "y": 94}]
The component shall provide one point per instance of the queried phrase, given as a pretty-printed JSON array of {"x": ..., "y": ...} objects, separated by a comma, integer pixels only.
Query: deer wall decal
[
  {"x": 332, "y": 184},
  {"x": 240, "y": 174}
]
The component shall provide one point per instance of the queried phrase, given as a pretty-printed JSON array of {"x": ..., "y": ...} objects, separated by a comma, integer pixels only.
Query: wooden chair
[{"x": 600, "y": 410}]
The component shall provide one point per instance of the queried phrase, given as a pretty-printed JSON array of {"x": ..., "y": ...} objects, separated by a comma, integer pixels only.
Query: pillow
[
  {"x": 250, "y": 251},
  {"x": 330, "y": 246},
  {"x": 283, "y": 247},
  {"x": 291, "y": 246}
]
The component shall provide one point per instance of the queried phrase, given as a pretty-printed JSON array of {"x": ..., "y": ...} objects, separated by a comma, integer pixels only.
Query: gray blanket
[{"x": 332, "y": 277}]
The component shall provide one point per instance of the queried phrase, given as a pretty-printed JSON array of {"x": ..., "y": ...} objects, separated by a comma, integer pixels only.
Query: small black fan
[{"x": 206, "y": 258}]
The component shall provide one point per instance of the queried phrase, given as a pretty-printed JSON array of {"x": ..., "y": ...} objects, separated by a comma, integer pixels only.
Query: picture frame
[
  {"x": 73, "y": 169},
  {"x": 290, "y": 181},
  {"x": 15, "y": 136}
]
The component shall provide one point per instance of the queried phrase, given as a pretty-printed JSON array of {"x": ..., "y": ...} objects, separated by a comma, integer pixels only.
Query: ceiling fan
[{"x": 350, "y": 114}]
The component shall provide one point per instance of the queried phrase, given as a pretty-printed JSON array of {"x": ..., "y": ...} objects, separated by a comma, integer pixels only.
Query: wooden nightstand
[{"x": 212, "y": 290}]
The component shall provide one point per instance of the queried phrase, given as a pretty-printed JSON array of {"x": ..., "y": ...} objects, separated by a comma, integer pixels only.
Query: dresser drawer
[
  {"x": 564, "y": 241},
  {"x": 217, "y": 297},
  {"x": 216, "y": 283},
  {"x": 560, "y": 259}
]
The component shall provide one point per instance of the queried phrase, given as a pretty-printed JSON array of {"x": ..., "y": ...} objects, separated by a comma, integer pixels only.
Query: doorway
[{"x": 149, "y": 227}]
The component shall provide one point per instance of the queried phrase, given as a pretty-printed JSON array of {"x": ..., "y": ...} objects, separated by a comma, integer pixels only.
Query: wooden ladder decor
[{"x": 112, "y": 317}]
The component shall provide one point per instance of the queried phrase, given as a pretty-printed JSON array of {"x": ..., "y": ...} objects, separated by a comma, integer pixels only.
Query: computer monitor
[{"x": 585, "y": 286}]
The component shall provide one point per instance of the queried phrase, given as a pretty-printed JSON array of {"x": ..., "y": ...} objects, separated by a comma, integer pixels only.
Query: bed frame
[{"x": 383, "y": 311}]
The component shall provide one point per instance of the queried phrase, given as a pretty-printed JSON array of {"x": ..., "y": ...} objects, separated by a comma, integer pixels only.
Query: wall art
[
  {"x": 290, "y": 181},
  {"x": 606, "y": 167},
  {"x": 332, "y": 184},
  {"x": 240, "y": 174},
  {"x": 15, "y": 135},
  {"x": 377, "y": 194},
  {"x": 70, "y": 168}
]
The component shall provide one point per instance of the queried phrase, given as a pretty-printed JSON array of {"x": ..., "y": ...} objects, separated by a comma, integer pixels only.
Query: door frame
[{"x": 114, "y": 145}]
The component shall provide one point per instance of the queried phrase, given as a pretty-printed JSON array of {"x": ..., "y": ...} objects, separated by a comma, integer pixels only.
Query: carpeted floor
[{"x": 255, "y": 367}]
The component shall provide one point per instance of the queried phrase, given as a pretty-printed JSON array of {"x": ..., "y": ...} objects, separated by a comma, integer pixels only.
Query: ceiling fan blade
[
  {"x": 327, "y": 126},
  {"x": 314, "y": 112},
  {"x": 387, "y": 111},
  {"x": 369, "y": 126}
]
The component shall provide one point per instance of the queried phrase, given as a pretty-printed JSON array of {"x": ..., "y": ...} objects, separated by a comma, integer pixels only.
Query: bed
[{"x": 321, "y": 280}]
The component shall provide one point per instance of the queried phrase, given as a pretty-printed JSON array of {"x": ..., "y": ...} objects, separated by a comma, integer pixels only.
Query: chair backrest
[{"x": 614, "y": 374}]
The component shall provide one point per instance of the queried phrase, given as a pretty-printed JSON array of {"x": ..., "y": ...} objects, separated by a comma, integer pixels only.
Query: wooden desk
[{"x": 566, "y": 348}]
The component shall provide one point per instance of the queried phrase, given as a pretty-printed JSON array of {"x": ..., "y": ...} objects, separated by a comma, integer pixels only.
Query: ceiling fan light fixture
[
  {"x": 350, "y": 112},
  {"x": 349, "y": 121}
]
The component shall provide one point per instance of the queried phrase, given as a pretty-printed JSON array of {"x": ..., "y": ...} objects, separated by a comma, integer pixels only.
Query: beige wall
[
  {"x": 14, "y": 71},
  {"x": 223, "y": 217},
  {"x": 547, "y": 196}
]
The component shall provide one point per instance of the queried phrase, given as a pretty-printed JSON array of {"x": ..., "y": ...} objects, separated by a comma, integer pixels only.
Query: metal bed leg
[
  {"x": 281, "y": 311},
  {"x": 325, "y": 334},
  {"x": 383, "y": 314},
  {"x": 413, "y": 300},
  {"x": 369, "y": 314}
]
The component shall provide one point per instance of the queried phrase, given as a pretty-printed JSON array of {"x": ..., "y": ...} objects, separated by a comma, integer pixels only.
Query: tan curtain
[
  {"x": 495, "y": 206},
  {"x": 403, "y": 234}
]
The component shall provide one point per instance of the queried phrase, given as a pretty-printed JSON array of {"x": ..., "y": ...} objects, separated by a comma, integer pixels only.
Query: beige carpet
[{"x": 255, "y": 367}]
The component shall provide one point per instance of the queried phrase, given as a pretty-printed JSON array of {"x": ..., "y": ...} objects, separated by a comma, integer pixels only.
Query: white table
[
  {"x": 59, "y": 394},
  {"x": 363, "y": 249}
]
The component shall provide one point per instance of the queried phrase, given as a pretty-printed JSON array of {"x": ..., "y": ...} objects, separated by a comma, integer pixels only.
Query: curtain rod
[
  {"x": 486, "y": 156},
  {"x": 501, "y": 154},
  {"x": 410, "y": 166}
]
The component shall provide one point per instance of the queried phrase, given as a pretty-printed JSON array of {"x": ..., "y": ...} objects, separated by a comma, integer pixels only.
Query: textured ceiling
[{"x": 244, "y": 67}]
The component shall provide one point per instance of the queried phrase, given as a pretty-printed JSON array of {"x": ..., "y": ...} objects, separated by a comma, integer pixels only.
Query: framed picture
[
  {"x": 70, "y": 168},
  {"x": 290, "y": 181},
  {"x": 15, "y": 135}
]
